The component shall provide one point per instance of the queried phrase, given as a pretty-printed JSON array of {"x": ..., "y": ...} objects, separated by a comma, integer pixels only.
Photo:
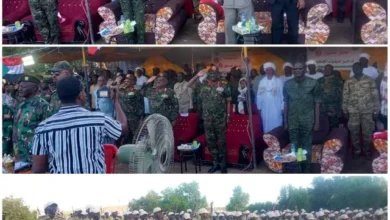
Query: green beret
[{"x": 30, "y": 78}]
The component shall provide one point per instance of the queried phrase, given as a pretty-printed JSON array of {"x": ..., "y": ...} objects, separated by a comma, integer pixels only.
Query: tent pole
[
  {"x": 246, "y": 60},
  {"x": 89, "y": 21}
]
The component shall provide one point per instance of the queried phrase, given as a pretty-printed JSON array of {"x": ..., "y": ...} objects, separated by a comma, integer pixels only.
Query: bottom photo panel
[{"x": 177, "y": 197}]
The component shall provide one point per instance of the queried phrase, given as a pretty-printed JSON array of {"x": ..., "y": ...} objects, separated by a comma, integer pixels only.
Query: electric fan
[{"x": 152, "y": 150}]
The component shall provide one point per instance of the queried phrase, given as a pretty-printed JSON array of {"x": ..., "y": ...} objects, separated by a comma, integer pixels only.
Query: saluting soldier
[
  {"x": 51, "y": 209},
  {"x": 32, "y": 111},
  {"x": 215, "y": 96},
  {"x": 132, "y": 102}
]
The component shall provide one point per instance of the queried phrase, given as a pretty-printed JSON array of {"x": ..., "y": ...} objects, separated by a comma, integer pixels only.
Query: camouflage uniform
[
  {"x": 55, "y": 102},
  {"x": 361, "y": 101},
  {"x": 45, "y": 217},
  {"x": 164, "y": 102},
  {"x": 8, "y": 115},
  {"x": 132, "y": 103},
  {"x": 214, "y": 106},
  {"x": 44, "y": 13},
  {"x": 301, "y": 98},
  {"x": 29, "y": 114},
  {"x": 332, "y": 89},
  {"x": 45, "y": 95},
  {"x": 135, "y": 11}
]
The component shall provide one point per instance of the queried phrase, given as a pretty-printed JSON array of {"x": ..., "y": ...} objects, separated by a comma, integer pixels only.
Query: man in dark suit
[{"x": 291, "y": 8}]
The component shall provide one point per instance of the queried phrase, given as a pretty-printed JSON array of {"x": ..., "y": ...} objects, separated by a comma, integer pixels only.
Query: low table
[
  {"x": 255, "y": 38},
  {"x": 16, "y": 37},
  {"x": 192, "y": 153}
]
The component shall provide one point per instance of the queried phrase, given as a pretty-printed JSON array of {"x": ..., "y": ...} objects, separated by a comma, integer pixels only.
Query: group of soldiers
[
  {"x": 211, "y": 97},
  {"x": 93, "y": 213}
]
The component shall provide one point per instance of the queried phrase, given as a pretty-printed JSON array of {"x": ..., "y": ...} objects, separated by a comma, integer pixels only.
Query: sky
[{"x": 78, "y": 191}]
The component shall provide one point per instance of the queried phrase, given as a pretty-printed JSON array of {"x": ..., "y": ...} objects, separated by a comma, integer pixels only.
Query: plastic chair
[{"x": 111, "y": 157}]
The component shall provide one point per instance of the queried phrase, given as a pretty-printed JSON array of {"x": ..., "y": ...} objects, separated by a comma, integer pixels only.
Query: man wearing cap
[
  {"x": 332, "y": 90},
  {"x": 94, "y": 213},
  {"x": 51, "y": 209},
  {"x": 132, "y": 102},
  {"x": 32, "y": 111},
  {"x": 143, "y": 215},
  {"x": 45, "y": 16},
  {"x": 162, "y": 99},
  {"x": 312, "y": 67},
  {"x": 186, "y": 216},
  {"x": 302, "y": 109},
  {"x": 369, "y": 71},
  {"x": 60, "y": 70},
  {"x": 171, "y": 216},
  {"x": 204, "y": 214},
  {"x": 70, "y": 148},
  {"x": 288, "y": 74},
  {"x": 270, "y": 99},
  {"x": 361, "y": 107},
  {"x": 158, "y": 214},
  {"x": 215, "y": 97}
]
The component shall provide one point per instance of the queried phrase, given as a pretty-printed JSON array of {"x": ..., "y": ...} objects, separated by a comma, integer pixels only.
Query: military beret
[
  {"x": 61, "y": 65},
  {"x": 30, "y": 77}
]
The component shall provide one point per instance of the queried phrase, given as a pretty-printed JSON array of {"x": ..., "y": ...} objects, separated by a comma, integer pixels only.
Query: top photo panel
[{"x": 195, "y": 22}]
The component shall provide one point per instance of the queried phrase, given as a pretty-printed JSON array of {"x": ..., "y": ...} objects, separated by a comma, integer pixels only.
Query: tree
[
  {"x": 238, "y": 201},
  {"x": 292, "y": 198},
  {"x": 148, "y": 202},
  {"x": 15, "y": 209}
]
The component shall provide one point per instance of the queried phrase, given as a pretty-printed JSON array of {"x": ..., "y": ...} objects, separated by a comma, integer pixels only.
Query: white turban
[
  {"x": 157, "y": 209},
  {"x": 187, "y": 216},
  {"x": 287, "y": 64},
  {"x": 365, "y": 55},
  {"x": 311, "y": 62},
  {"x": 171, "y": 213},
  {"x": 49, "y": 204},
  {"x": 269, "y": 65},
  {"x": 221, "y": 215}
]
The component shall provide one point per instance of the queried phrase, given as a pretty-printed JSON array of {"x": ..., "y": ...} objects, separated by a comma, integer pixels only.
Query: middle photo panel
[{"x": 194, "y": 110}]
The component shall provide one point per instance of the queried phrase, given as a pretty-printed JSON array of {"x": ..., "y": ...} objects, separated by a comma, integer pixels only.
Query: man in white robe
[
  {"x": 367, "y": 70},
  {"x": 287, "y": 68},
  {"x": 312, "y": 73},
  {"x": 270, "y": 99}
]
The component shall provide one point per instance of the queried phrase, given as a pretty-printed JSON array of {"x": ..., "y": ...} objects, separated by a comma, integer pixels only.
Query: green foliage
[
  {"x": 291, "y": 197},
  {"x": 185, "y": 196},
  {"x": 15, "y": 209},
  {"x": 238, "y": 201},
  {"x": 261, "y": 205}
]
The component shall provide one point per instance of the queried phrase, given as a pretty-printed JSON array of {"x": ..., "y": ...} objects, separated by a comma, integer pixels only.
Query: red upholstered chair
[
  {"x": 76, "y": 27},
  {"x": 185, "y": 131},
  {"x": 111, "y": 157},
  {"x": 14, "y": 10},
  {"x": 379, "y": 164},
  {"x": 163, "y": 19}
]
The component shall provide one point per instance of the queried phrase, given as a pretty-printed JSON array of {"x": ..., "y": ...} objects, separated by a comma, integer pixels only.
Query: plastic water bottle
[
  {"x": 122, "y": 20},
  {"x": 292, "y": 148},
  {"x": 243, "y": 18}
]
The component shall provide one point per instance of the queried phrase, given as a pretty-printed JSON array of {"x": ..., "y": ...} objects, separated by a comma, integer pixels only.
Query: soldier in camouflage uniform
[
  {"x": 302, "y": 97},
  {"x": 44, "y": 13},
  {"x": 45, "y": 91},
  {"x": 135, "y": 11},
  {"x": 361, "y": 107},
  {"x": 51, "y": 209},
  {"x": 8, "y": 116},
  {"x": 332, "y": 89},
  {"x": 215, "y": 96},
  {"x": 162, "y": 99},
  {"x": 132, "y": 102},
  {"x": 60, "y": 70},
  {"x": 29, "y": 114},
  {"x": 76, "y": 214}
]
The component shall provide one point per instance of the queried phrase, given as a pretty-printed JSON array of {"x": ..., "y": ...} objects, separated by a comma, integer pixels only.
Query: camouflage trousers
[
  {"x": 196, "y": 4},
  {"x": 133, "y": 123},
  {"x": 7, "y": 138},
  {"x": 44, "y": 13},
  {"x": 215, "y": 130},
  {"x": 365, "y": 122},
  {"x": 135, "y": 11},
  {"x": 301, "y": 134}
]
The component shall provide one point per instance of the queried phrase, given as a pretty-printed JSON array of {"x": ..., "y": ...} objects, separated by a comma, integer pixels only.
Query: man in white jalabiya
[
  {"x": 270, "y": 99},
  {"x": 288, "y": 74},
  {"x": 183, "y": 94},
  {"x": 312, "y": 73},
  {"x": 367, "y": 70}
]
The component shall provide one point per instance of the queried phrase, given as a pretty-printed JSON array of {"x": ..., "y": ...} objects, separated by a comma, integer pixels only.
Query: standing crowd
[{"x": 41, "y": 118}]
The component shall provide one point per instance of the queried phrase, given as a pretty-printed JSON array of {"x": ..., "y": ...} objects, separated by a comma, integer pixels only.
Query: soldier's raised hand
[{"x": 201, "y": 73}]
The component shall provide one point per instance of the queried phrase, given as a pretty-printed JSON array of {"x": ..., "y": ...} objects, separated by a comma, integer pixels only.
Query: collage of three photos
[{"x": 274, "y": 110}]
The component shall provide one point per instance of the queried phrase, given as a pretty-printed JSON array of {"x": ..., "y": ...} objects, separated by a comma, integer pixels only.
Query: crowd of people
[
  {"x": 41, "y": 118},
  {"x": 94, "y": 213}
]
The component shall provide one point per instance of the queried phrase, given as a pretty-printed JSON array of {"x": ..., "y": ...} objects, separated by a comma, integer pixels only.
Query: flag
[
  {"x": 13, "y": 64},
  {"x": 93, "y": 50}
]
